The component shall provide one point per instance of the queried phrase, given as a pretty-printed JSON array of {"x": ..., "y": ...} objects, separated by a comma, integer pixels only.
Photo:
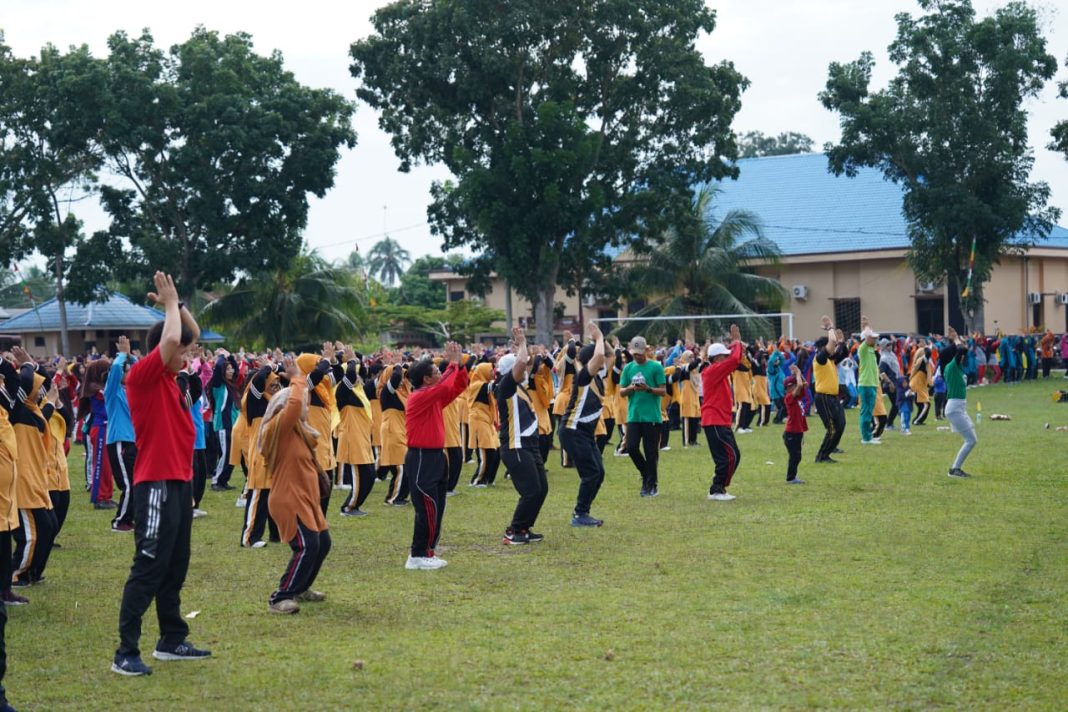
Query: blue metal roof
[
  {"x": 117, "y": 312},
  {"x": 807, "y": 210}
]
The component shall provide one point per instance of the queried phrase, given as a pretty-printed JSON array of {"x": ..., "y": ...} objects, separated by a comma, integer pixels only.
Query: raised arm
[
  {"x": 522, "y": 356},
  {"x": 597, "y": 361},
  {"x": 166, "y": 294}
]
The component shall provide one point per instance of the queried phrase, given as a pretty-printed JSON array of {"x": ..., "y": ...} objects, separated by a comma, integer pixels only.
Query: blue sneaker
[
  {"x": 585, "y": 520},
  {"x": 129, "y": 665},
  {"x": 181, "y": 651}
]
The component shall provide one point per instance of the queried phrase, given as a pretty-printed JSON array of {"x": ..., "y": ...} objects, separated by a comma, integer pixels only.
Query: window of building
[
  {"x": 929, "y": 315},
  {"x": 38, "y": 341},
  {"x": 847, "y": 315},
  {"x": 456, "y": 296},
  {"x": 1037, "y": 319}
]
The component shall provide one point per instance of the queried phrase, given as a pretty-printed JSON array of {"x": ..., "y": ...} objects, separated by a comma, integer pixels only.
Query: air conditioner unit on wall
[
  {"x": 927, "y": 286},
  {"x": 1034, "y": 298},
  {"x": 1063, "y": 298},
  {"x": 800, "y": 292}
]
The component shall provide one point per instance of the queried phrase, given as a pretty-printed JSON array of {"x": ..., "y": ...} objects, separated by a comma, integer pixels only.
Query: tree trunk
[
  {"x": 508, "y": 304},
  {"x": 977, "y": 319},
  {"x": 64, "y": 336},
  {"x": 543, "y": 312}
]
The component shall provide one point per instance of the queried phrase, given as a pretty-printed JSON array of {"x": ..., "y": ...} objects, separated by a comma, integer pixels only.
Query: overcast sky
[{"x": 782, "y": 46}]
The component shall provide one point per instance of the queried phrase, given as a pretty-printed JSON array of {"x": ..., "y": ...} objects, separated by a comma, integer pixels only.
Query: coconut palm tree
[
  {"x": 387, "y": 261},
  {"x": 302, "y": 306},
  {"x": 703, "y": 267}
]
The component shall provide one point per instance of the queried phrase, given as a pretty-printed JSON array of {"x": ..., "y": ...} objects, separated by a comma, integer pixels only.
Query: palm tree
[
  {"x": 302, "y": 306},
  {"x": 703, "y": 267},
  {"x": 387, "y": 260}
]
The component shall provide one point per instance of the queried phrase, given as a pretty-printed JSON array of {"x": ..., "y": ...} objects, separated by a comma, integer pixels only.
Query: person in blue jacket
[
  {"x": 775, "y": 383},
  {"x": 122, "y": 453}
]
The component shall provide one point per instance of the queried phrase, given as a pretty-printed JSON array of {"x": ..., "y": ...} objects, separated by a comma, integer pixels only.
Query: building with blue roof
[
  {"x": 97, "y": 324},
  {"x": 844, "y": 242}
]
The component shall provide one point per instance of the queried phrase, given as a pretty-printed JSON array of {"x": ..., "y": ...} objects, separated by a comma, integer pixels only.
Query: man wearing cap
[
  {"x": 868, "y": 381},
  {"x": 716, "y": 417},
  {"x": 643, "y": 385}
]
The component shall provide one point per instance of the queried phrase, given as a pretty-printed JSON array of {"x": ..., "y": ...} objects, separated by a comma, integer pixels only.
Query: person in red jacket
[
  {"x": 716, "y": 416},
  {"x": 425, "y": 463}
]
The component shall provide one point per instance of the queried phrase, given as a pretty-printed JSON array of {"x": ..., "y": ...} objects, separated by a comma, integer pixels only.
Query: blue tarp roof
[
  {"x": 807, "y": 210},
  {"x": 117, "y": 312}
]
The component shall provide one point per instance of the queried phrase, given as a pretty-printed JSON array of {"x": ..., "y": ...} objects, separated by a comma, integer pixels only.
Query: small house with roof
[{"x": 97, "y": 324}]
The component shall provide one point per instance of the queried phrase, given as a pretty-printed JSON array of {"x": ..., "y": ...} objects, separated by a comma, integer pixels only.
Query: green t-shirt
[
  {"x": 956, "y": 385},
  {"x": 869, "y": 366},
  {"x": 643, "y": 406}
]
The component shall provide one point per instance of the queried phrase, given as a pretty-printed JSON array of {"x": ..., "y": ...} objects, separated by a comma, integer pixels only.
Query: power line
[{"x": 858, "y": 231}]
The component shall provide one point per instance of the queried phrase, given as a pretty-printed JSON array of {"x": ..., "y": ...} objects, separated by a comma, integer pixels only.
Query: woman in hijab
[
  {"x": 288, "y": 445},
  {"x": 482, "y": 434}
]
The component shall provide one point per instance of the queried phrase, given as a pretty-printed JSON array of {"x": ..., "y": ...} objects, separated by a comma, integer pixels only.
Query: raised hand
[
  {"x": 123, "y": 345},
  {"x": 290, "y": 367},
  {"x": 166, "y": 293},
  {"x": 568, "y": 336},
  {"x": 519, "y": 337},
  {"x": 328, "y": 351},
  {"x": 593, "y": 331},
  {"x": 453, "y": 352},
  {"x": 736, "y": 333},
  {"x": 864, "y": 322},
  {"x": 22, "y": 357},
  {"x": 826, "y": 323}
]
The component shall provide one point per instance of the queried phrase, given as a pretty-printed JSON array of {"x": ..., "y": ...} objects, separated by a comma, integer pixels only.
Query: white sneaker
[
  {"x": 745, "y": 430},
  {"x": 722, "y": 497},
  {"x": 424, "y": 563},
  {"x": 240, "y": 503},
  {"x": 665, "y": 448},
  {"x": 198, "y": 513},
  {"x": 875, "y": 441},
  {"x": 259, "y": 544}
]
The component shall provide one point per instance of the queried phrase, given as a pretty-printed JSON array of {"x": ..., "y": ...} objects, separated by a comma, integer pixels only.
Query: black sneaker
[
  {"x": 654, "y": 492},
  {"x": 585, "y": 520},
  {"x": 21, "y": 583},
  {"x": 222, "y": 488},
  {"x": 645, "y": 493},
  {"x": 13, "y": 599},
  {"x": 533, "y": 537},
  {"x": 181, "y": 651},
  {"x": 514, "y": 537},
  {"x": 129, "y": 665},
  {"x": 956, "y": 472}
]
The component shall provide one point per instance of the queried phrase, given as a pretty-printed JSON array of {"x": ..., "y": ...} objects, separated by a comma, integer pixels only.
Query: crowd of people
[{"x": 160, "y": 426}]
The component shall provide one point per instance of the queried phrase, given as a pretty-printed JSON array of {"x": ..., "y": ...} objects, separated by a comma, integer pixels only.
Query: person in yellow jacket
[
  {"x": 37, "y": 520},
  {"x": 483, "y": 435},
  {"x": 9, "y": 452},
  {"x": 564, "y": 368},
  {"x": 686, "y": 375},
  {"x": 742, "y": 381},
  {"x": 761, "y": 397},
  {"x": 355, "y": 454},
  {"x": 59, "y": 476},
  {"x": 393, "y": 395},
  {"x": 261, "y": 388},
  {"x": 919, "y": 382},
  {"x": 541, "y": 388}
]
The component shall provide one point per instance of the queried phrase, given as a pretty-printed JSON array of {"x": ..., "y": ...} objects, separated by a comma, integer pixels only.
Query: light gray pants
[{"x": 957, "y": 412}]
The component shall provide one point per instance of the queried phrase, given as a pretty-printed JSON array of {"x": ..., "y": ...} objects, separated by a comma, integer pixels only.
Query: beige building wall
[{"x": 78, "y": 339}]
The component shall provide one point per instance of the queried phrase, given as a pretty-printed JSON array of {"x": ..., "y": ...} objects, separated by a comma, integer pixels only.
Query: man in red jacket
[
  {"x": 716, "y": 416},
  {"x": 425, "y": 462}
]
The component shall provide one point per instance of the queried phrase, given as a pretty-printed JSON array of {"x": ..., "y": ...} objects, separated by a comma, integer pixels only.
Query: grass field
[{"x": 881, "y": 584}]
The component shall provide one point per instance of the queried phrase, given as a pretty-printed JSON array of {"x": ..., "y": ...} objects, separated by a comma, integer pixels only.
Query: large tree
[
  {"x": 567, "y": 126},
  {"x": 705, "y": 266},
  {"x": 220, "y": 148},
  {"x": 48, "y": 124},
  {"x": 1060, "y": 131},
  {"x": 417, "y": 289},
  {"x": 754, "y": 144},
  {"x": 951, "y": 130}
]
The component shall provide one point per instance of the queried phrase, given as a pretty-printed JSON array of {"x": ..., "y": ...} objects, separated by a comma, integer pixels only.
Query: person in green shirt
[
  {"x": 643, "y": 384},
  {"x": 867, "y": 381},
  {"x": 952, "y": 358}
]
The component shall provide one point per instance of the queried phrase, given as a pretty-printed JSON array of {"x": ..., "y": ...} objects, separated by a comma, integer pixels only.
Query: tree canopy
[
  {"x": 387, "y": 260},
  {"x": 220, "y": 148},
  {"x": 754, "y": 144},
  {"x": 951, "y": 129},
  {"x": 567, "y": 127},
  {"x": 1060, "y": 131}
]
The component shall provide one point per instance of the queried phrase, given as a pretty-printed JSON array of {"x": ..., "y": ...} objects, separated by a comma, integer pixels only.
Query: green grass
[{"x": 881, "y": 584}]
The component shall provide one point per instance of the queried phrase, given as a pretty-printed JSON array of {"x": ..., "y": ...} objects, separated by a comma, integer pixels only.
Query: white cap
[
  {"x": 506, "y": 363},
  {"x": 638, "y": 343},
  {"x": 868, "y": 332},
  {"x": 717, "y": 350}
]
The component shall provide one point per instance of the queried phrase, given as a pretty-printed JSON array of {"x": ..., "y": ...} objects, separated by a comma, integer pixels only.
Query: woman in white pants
[{"x": 952, "y": 358}]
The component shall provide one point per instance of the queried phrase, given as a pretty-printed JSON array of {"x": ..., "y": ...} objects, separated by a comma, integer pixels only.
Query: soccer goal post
[{"x": 698, "y": 327}]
